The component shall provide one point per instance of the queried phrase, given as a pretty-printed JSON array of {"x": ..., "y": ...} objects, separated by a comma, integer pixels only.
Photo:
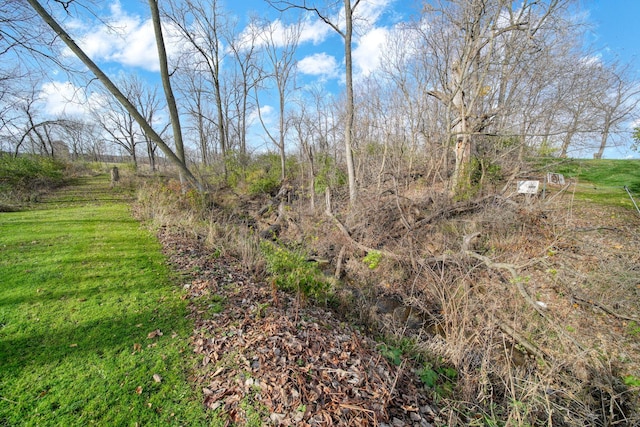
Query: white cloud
[
  {"x": 319, "y": 64},
  {"x": 315, "y": 31},
  {"x": 280, "y": 34},
  {"x": 592, "y": 60},
  {"x": 64, "y": 98},
  {"x": 371, "y": 11},
  {"x": 367, "y": 54},
  {"x": 266, "y": 112},
  {"x": 140, "y": 49},
  {"x": 123, "y": 38}
]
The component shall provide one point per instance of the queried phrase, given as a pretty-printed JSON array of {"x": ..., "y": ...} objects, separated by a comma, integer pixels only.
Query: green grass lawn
[
  {"x": 81, "y": 287},
  {"x": 601, "y": 181}
]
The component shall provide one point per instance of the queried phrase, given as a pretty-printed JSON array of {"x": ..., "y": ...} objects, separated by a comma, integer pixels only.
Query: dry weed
[{"x": 559, "y": 361}]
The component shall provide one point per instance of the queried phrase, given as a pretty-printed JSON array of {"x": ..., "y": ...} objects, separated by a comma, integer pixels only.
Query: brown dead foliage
[
  {"x": 297, "y": 364},
  {"x": 545, "y": 315},
  {"x": 555, "y": 357}
]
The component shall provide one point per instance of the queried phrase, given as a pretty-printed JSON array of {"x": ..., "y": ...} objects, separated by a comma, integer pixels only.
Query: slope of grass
[
  {"x": 602, "y": 181},
  {"x": 82, "y": 286},
  {"x": 24, "y": 177}
]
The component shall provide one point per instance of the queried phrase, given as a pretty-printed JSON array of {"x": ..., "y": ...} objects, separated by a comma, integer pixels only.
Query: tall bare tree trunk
[
  {"x": 461, "y": 131},
  {"x": 113, "y": 89},
  {"x": 166, "y": 83},
  {"x": 348, "y": 128}
]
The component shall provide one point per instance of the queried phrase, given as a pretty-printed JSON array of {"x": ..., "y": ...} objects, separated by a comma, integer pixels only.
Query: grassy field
[
  {"x": 82, "y": 289},
  {"x": 601, "y": 181}
]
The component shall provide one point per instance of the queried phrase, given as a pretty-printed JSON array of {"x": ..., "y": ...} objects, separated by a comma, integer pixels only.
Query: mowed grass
[
  {"x": 602, "y": 181},
  {"x": 82, "y": 286}
]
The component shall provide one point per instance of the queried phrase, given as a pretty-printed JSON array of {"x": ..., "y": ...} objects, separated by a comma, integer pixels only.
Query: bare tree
[
  {"x": 417, "y": 119},
  {"x": 146, "y": 100},
  {"x": 117, "y": 122},
  {"x": 166, "y": 82},
  {"x": 197, "y": 102},
  {"x": 345, "y": 29},
  {"x": 618, "y": 103},
  {"x": 280, "y": 48},
  {"x": 83, "y": 139},
  {"x": 577, "y": 109},
  {"x": 200, "y": 23},
  {"x": 26, "y": 105},
  {"x": 247, "y": 74},
  {"x": 114, "y": 90},
  {"x": 120, "y": 125},
  {"x": 23, "y": 40},
  {"x": 304, "y": 128},
  {"x": 467, "y": 41}
]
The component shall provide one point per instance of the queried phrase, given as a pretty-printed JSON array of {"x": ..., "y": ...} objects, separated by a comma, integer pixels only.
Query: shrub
[
  {"x": 291, "y": 271},
  {"x": 263, "y": 176},
  {"x": 261, "y": 182},
  {"x": 328, "y": 175},
  {"x": 372, "y": 259}
]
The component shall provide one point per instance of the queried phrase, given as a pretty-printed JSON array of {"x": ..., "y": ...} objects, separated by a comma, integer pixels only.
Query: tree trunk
[
  {"x": 221, "y": 127},
  {"x": 348, "y": 128},
  {"x": 166, "y": 81},
  {"x": 113, "y": 89},
  {"x": 461, "y": 131},
  {"x": 603, "y": 141},
  {"x": 283, "y": 154}
]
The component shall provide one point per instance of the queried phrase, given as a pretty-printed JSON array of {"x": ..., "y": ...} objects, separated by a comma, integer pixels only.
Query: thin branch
[
  {"x": 606, "y": 309},
  {"x": 287, "y": 5}
]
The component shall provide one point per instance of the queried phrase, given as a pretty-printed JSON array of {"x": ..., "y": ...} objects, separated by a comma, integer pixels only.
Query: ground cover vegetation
[
  {"x": 23, "y": 179},
  {"x": 92, "y": 328},
  {"x": 394, "y": 206}
]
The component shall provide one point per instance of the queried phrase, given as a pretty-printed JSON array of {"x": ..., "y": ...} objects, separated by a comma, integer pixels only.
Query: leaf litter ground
[{"x": 264, "y": 358}]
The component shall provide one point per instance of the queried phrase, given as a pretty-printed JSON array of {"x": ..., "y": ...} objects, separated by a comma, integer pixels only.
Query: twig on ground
[
  {"x": 520, "y": 286},
  {"x": 606, "y": 309},
  {"x": 531, "y": 348}
]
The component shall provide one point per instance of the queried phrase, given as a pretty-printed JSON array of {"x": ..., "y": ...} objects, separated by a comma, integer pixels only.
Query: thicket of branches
[{"x": 465, "y": 91}]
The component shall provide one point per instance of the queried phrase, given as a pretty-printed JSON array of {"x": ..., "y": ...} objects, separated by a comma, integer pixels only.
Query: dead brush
[
  {"x": 156, "y": 204},
  {"x": 475, "y": 300},
  {"x": 496, "y": 381},
  {"x": 219, "y": 228},
  {"x": 239, "y": 242}
]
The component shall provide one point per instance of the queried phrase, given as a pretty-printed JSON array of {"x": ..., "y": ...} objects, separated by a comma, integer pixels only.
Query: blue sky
[
  {"x": 616, "y": 27},
  {"x": 614, "y": 32}
]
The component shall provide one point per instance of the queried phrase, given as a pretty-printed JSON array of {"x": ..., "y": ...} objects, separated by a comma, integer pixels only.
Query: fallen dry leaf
[
  {"x": 286, "y": 358},
  {"x": 157, "y": 378},
  {"x": 153, "y": 334}
]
